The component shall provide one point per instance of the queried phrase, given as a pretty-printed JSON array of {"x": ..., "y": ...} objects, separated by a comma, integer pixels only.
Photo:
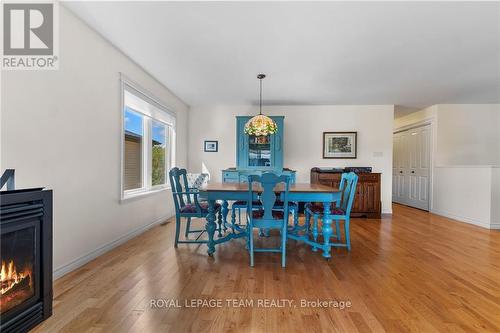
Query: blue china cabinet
[{"x": 257, "y": 153}]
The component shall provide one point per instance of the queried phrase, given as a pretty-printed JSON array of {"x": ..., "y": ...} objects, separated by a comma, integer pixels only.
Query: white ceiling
[{"x": 409, "y": 54}]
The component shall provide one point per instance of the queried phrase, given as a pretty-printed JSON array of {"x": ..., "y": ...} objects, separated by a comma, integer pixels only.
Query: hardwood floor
[{"x": 414, "y": 272}]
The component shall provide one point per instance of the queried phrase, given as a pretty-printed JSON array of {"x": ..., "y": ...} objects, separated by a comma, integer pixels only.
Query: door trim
[{"x": 431, "y": 121}]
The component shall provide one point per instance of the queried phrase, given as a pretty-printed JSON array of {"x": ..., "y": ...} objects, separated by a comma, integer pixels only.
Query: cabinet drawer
[
  {"x": 230, "y": 176},
  {"x": 368, "y": 178},
  {"x": 329, "y": 176},
  {"x": 227, "y": 175}
]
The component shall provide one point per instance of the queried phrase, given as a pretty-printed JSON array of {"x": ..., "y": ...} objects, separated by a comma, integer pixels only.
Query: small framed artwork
[
  {"x": 211, "y": 146},
  {"x": 340, "y": 144}
]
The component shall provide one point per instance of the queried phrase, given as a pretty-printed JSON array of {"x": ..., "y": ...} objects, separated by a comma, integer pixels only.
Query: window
[
  {"x": 159, "y": 153},
  {"x": 148, "y": 142}
]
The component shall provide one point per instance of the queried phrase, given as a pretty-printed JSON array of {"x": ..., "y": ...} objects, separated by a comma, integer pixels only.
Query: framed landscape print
[
  {"x": 211, "y": 146},
  {"x": 340, "y": 144}
]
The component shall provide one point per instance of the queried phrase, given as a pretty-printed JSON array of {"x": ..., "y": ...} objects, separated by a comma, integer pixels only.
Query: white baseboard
[
  {"x": 495, "y": 226},
  {"x": 71, "y": 266},
  {"x": 464, "y": 219}
]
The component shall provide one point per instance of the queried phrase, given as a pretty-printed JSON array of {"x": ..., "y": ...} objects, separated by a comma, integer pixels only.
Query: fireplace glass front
[{"x": 18, "y": 271}]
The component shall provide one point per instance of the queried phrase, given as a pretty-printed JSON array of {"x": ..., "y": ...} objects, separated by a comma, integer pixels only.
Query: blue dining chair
[
  {"x": 188, "y": 206},
  {"x": 242, "y": 204},
  {"x": 267, "y": 216},
  {"x": 339, "y": 211}
]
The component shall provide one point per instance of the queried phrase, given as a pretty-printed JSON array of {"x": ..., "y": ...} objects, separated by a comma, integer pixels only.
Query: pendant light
[{"x": 260, "y": 125}]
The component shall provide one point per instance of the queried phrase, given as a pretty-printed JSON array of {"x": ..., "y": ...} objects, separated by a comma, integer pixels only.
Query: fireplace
[
  {"x": 26, "y": 258},
  {"x": 17, "y": 275}
]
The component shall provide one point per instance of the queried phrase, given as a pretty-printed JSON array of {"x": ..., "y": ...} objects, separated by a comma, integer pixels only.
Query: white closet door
[
  {"x": 395, "y": 160},
  {"x": 411, "y": 167},
  {"x": 399, "y": 163},
  {"x": 419, "y": 167}
]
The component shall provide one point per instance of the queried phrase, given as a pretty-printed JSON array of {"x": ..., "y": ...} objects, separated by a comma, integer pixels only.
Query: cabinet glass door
[{"x": 259, "y": 151}]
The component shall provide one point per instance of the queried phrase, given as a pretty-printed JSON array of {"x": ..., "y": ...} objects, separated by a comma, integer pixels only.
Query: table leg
[
  {"x": 327, "y": 229},
  {"x": 307, "y": 222},
  {"x": 233, "y": 218},
  {"x": 219, "y": 222},
  {"x": 211, "y": 226},
  {"x": 225, "y": 211},
  {"x": 315, "y": 232}
]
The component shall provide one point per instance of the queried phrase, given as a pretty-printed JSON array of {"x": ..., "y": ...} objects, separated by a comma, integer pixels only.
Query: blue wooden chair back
[
  {"x": 348, "y": 185},
  {"x": 243, "y": 174},
  {"x": 188, "y": 206},
  {"x": 268, "y": 198},
  {"x": 179, "y": 184}
]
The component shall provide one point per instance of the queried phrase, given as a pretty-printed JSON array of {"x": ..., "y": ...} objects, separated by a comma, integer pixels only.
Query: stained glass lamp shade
[{"x": 260, "y": 125}]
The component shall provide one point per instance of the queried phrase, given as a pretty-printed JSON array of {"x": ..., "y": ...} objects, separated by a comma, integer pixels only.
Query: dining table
[{"x": 298, "y": 192}]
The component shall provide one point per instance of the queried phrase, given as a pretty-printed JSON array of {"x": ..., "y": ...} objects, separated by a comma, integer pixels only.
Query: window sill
[{"x": 141, "y": 194}]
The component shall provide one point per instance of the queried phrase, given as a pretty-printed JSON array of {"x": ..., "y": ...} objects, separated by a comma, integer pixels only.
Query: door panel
[
  {"x": 395, "y": 165},
  {"x": 400, "y": 162},
  {"x": 358, "y": 205},
  {"x": 412, "y": 191},
  {"x": 369, "y": 193},
  {"x": 412, "y": 149},
  {"x": 394, "y": 185},
  {"x": 401, "y": 187},
  {"x": 424, "y": 190}
]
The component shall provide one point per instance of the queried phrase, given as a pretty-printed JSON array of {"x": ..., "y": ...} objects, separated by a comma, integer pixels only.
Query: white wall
[
  {"x": 495, "y": 198},
  {"x": 304, "y": 127},
  {"x": 61, "y": 129},
  {"x": 469, "y": 134},
  {"x": 463, "y": 193},
  {"x": 466, "y": 156}
]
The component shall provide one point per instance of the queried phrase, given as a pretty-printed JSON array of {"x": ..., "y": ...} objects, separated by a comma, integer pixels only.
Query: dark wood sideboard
[{"x": 367, "y": 201}]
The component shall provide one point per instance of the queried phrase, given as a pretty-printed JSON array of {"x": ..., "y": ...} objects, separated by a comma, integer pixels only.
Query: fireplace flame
[{"x": 9, "y": 277}]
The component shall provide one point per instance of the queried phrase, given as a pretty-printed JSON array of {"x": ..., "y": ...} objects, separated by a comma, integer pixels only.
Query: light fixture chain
[{"x": 260, "y": 102}]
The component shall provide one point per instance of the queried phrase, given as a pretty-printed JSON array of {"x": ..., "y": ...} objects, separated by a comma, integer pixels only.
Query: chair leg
[
  {"x": 347, "y": 234},
  {"x": 233, "y": 218},
  {"x": 295, "y": 217},
  {"x": 283, "y": 245},
  {"x": 177, "y": 230},
  {"x": 307, "y": 221},
  {"x": 188, "y": 227},
  {"x": 337, "y": 229},
  {"x": 315, "y": 231},
  {"x": 247, "y": 246},
  {"x": 219, "y": 222},
  {"x": 250, "y": 236},
  {"x": 224, "y": 212}
]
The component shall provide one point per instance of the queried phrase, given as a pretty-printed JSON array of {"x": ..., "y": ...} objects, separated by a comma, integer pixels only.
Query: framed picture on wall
[
  {"x": 211, "y": 146},
  {"x": 340, "y": 144}
]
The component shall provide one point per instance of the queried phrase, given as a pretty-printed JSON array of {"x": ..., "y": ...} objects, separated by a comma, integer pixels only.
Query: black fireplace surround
[{"x": 26, "y": 258}]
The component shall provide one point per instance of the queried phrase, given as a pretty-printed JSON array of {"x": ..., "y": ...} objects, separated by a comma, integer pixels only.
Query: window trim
[{"x": 147, "y": 187}]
